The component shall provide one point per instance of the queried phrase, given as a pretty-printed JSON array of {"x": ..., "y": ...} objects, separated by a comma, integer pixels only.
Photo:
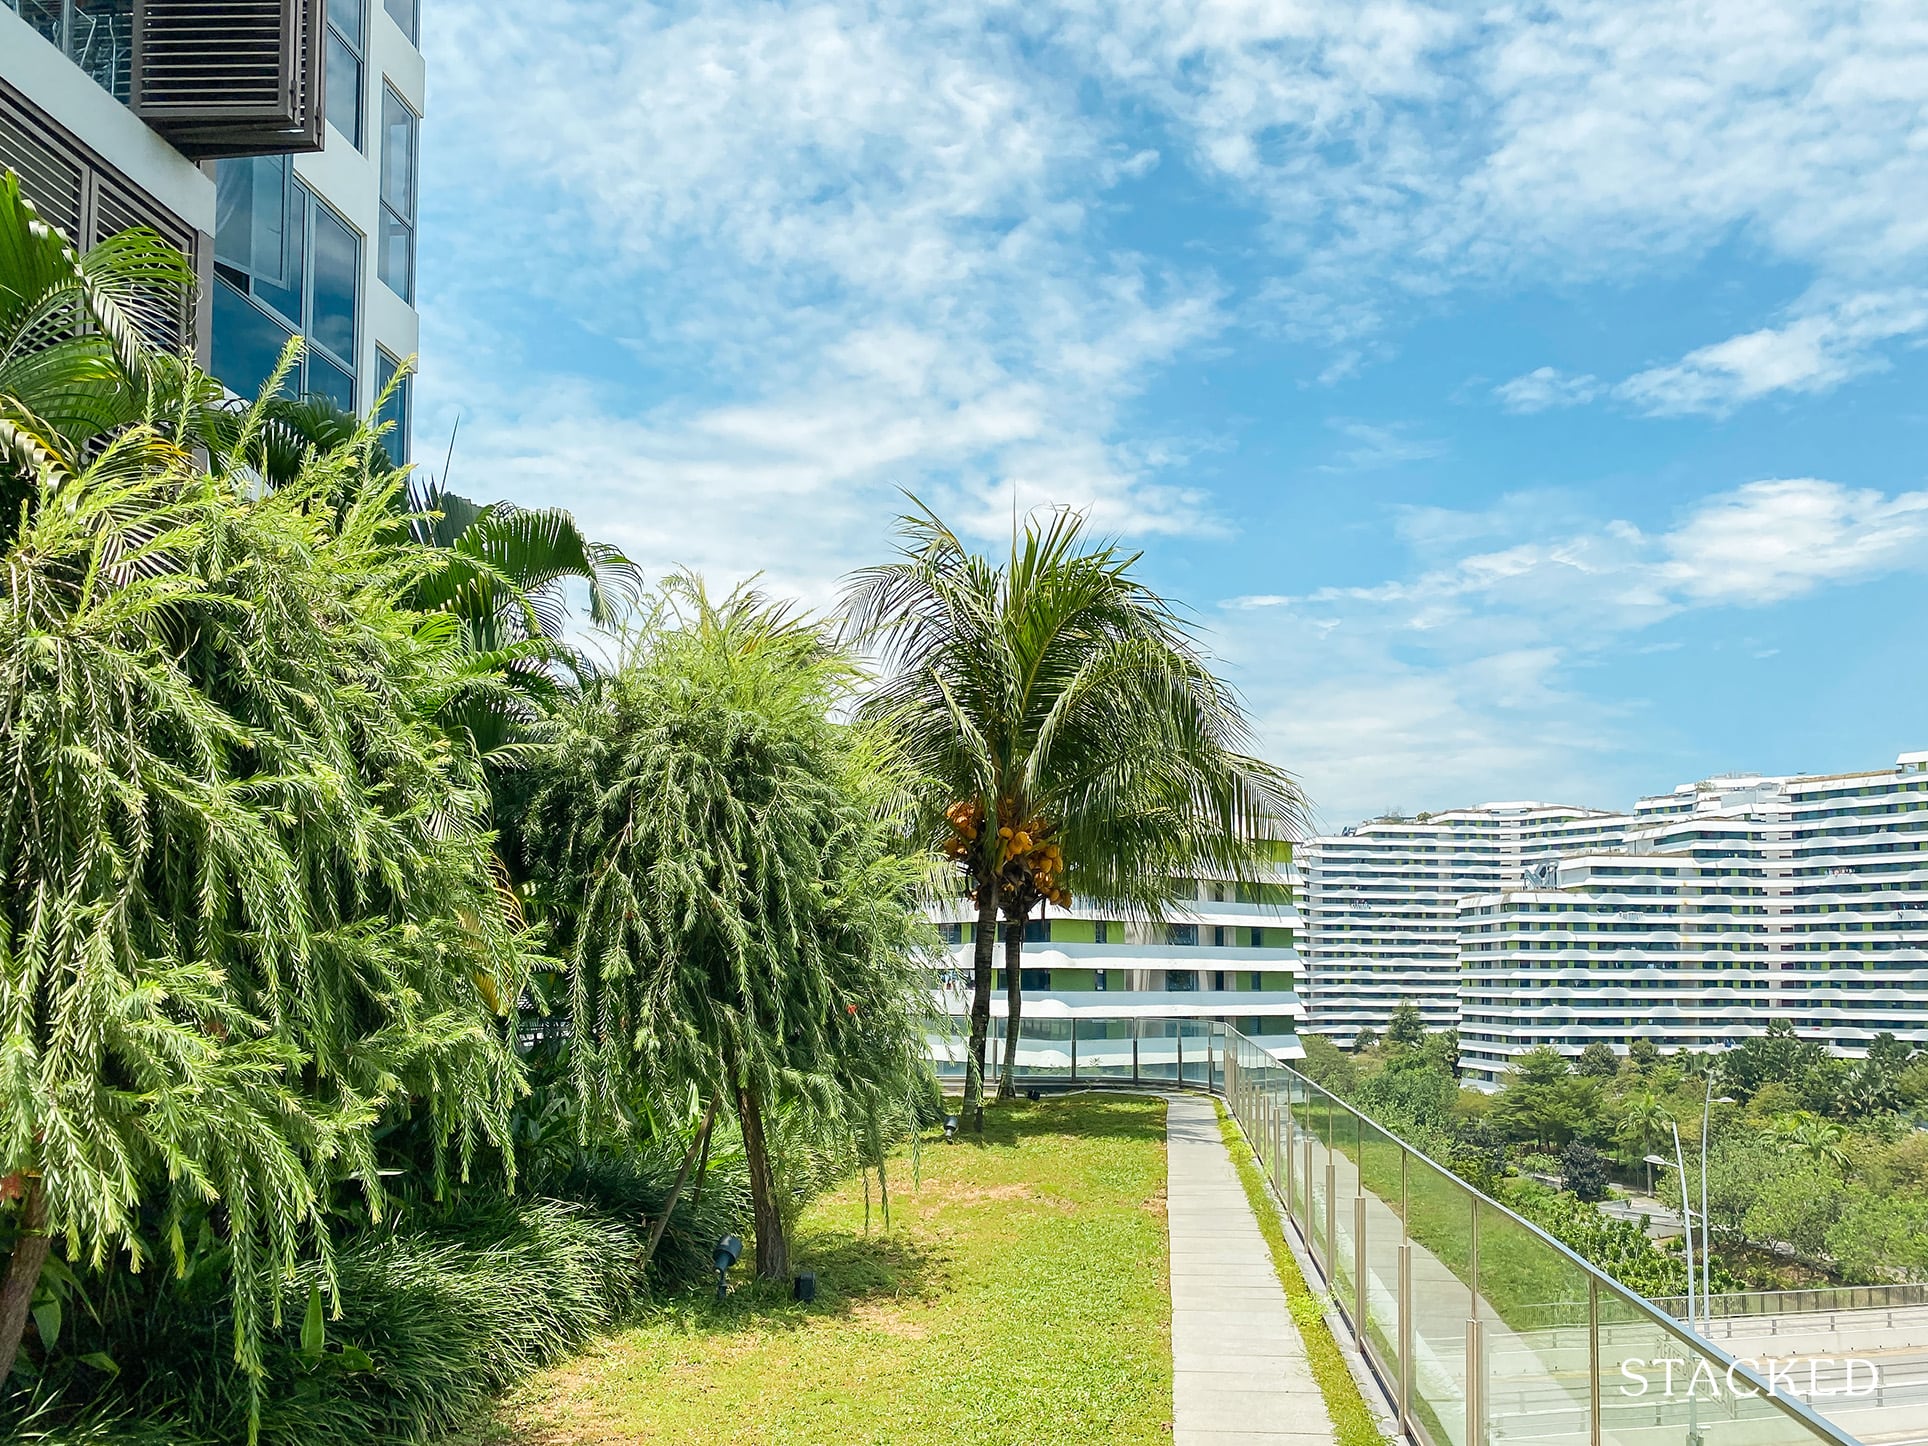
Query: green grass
[
  {"x": 1352, "y": 1420},
  {"x": 1020, "y": 1294}
]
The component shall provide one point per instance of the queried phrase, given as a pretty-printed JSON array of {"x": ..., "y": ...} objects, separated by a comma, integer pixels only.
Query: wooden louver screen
[{"x": 230, "y": 77}]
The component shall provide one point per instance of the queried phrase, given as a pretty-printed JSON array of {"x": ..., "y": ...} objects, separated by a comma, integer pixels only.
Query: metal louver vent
[
  {"x": 230, "y": 77},
  {"x": 54, "y": 182},
  {"x": 86, "y": 199}
]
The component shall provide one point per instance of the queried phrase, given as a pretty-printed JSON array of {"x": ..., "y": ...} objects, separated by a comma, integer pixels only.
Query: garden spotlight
[
  {"x": 950, "y": 1129},
  {"x": 729, "y": 1250}
]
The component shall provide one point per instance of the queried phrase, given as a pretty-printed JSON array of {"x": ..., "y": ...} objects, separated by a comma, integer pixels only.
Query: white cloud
[
  {"x": 1815, "y": 352},
  {"x": 1546, "y": 387},
  {"x": 1374, "y": 445},
  {"x": 1769, "y": 541},
  {"x": 1457, "y": 681},
  {"x": 814, "y": 253}
]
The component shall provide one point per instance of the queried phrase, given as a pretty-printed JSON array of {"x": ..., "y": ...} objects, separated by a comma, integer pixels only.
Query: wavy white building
[
  {"x": 1382, "y": 903},
  {"x": 1734, "y": 901},
  {"x": 1227, "y": 953}
]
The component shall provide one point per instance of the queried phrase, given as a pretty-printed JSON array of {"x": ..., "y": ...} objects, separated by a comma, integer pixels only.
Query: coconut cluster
[{"x": 1020, "y": 850}]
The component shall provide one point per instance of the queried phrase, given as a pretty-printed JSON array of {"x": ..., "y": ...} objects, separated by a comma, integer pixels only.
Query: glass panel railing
[{"x": 1483, "y": 1329}]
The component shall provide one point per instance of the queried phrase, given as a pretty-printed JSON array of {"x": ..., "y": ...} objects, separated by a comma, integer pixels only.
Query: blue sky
[{"x": 1529, "y": 399}]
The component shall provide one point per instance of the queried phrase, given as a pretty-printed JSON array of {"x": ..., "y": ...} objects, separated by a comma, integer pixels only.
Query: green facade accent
[{"x": 1074, "y": 931}]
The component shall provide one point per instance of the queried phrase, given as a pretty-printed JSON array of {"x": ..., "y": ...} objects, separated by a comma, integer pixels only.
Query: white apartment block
[
  {"x": 1382, "y": 903},
  {"x": 275, "y": 142},
  {"x": 1226, "y": 953},
  {"x": 1734, "y": 901}
]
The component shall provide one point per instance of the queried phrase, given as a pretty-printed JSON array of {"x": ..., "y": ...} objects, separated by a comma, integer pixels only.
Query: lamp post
[
  {"x": 1706, "y": 1243},
  {"x": 1686, "y": 1221}
]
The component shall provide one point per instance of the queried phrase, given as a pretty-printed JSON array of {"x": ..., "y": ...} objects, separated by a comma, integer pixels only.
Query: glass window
[
  {"x": 394, "y": 414},
  {"x": 247, "y": 341},
  {"x": 1183, "y": 934},
  {"x": 1181, "y": 981},
  {"x": 1101, "y": 979},
  {"x": 325, "y": 379},
  {"x": 408, "y": 15},
  {"x": 344, "y": 88},
  {"x": 337, "y": 268},
  {"x": 1037, "y": 931},
  {"x": 395, "y": 256},
  {"x": 251, "y": 217}
]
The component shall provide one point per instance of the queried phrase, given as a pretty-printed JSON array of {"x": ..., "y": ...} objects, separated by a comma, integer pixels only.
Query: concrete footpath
[{"x": 1239, "y": 1370}]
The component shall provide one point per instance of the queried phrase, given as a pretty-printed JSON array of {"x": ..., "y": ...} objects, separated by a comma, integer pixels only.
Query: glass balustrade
[{"x": 1481, "y": 1328}]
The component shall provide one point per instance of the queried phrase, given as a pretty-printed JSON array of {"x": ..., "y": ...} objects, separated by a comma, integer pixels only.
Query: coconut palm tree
[{"x": 1067, "y": 732}]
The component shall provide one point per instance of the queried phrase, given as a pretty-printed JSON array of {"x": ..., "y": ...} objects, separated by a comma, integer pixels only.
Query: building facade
[
  {"x": 1733, "y": 902},
  {"x": 1227, "y": 953},
  {"x": 275, "y": 142},
  {"x": 1382, "y": 904}
]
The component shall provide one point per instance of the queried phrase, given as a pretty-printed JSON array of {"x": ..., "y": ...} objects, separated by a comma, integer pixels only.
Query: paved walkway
[{"x": 1239, "y": 1371}]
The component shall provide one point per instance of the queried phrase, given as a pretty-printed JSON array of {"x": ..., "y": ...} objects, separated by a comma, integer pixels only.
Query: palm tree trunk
[
  {"x": 983, "y": 943},
  {"x": 23, "y": 1273},
  {"x": 772, "y": 1244},
  {"x": 1007, "y": 1088}
]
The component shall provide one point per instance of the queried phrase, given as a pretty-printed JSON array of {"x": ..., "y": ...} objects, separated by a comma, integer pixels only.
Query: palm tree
[
  {"x": 1067, "y": 734},
  {"x": 716, "y": 855},
  {"x": 1802, "y": 1132},
  {"x": 1643, "y": 1126}
]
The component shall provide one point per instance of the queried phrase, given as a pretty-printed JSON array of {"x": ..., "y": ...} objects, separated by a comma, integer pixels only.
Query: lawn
[{"x": 1020, "y": 1294}]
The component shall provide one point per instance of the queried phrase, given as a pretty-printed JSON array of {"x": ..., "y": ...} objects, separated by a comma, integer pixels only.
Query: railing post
[
  {"x": 1359, "y": 1266},
  {"x": 1404, "y": 1405},
  {"x": 1331, "y": 1212},
  {"x": 1285, "y": 1148},
  {"x": 1475, "y": 1344},
  {"x": 1593, "y": 1361},
  {"x": 1136, "y": 1027},
  {"x": 1178, "y": 1036}
]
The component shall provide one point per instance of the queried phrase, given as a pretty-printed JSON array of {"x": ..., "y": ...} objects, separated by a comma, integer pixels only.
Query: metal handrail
[
  {"x": 1270, "y": 1102},
  {"x": 1599, "y": 1283}
]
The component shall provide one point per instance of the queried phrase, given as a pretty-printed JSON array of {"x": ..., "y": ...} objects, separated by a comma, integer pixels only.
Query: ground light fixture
[
  {"x": 950, "y": 1129},
  {"x": 804, "y": 1288},
  {"x": 1034, "y": 1094},
  {"x": 729, "y": 1250}
]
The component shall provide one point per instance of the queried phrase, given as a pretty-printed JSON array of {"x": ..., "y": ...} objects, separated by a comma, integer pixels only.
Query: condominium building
[
  {"x": 1227, "y": 953},
  {"x": 1382, "y": 903},
  {"x": 1733, "y": 902},
  {"x": 272, "y": 141}
]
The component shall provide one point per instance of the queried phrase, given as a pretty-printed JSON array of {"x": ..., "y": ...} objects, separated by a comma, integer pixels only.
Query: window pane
[
  {"x": 346, "y": 16},
  {"x": 336, "y": 269},
  {"x": 395, "y": 257},
  {"x": 325, "y": 379},
  {"x": 395, "y": 440},
  {"x": 251, "y": 221},
  {"x": 398, "y": 155},
  {"x": 407, "y": 14},
  {"x": 247, "y": 342},
  {"x": 344, "y": 89}
]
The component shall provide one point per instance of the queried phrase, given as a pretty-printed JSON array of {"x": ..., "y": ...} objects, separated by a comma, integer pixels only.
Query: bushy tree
[
  {"x": 250, "y": 917},
  {"x": 1597, "y": 1061},
  {"x": 1644, "y": 1055},
  {"x": 1584, "y": 1173},
  {"x": 714, "y": 855},
  {"x": 1405, "y": 1028}
]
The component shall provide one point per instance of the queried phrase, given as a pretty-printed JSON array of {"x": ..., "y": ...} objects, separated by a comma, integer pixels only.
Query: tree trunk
[
  {"x": 983, "y": 947},
  {"x": 676, "y": 1189},
  {"x": 1007, "y": 1088},
  {"x": 23, "y": 1273},
  {"x": 772, "y": 1245}
]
